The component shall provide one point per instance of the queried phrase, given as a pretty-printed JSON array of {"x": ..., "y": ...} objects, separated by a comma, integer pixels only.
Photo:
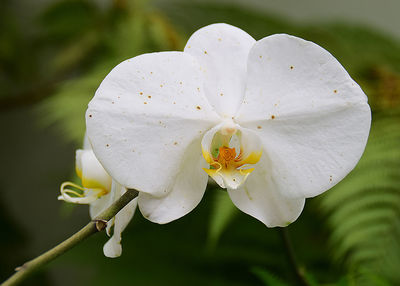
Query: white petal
[
  {"x": 99, "y": 205},
  {"x": 222, "y": 51},
  {"x": 186, "y": 191},
  {"x": 143, "y": 117},
  {"x": 78, "y": 161},
  {"x": 113, "y": 247},
  {"x": 116, "y": 193},
  {"x": 91, "y": 171},
  {"x": 289, "y": 76},
  {"x": 312, "y": 118},
  {"x": 311, "y": 154},
  {"x": 261, "y": 198},
  {"x": 86, "y": 143}
]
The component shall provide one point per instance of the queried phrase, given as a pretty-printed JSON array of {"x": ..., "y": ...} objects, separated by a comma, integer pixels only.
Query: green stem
[
  {"x": 297, "y": 270},
  {"x": 98, "y": 224}
]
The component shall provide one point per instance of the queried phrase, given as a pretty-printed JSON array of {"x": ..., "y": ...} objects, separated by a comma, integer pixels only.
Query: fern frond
[{"x": 363, "y": 211}]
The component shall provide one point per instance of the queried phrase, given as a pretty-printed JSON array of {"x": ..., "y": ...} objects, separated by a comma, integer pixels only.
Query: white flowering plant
[{"x": 273, "y": 122}]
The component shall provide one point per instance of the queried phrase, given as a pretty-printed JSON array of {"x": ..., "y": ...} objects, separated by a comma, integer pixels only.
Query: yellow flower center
[
  {"x": 227, "y": 158},
  {"x": 227, "y": 167}
]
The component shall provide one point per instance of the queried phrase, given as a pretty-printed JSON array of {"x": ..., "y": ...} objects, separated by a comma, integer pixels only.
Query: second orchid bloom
[{"x": 99, "y": 191}]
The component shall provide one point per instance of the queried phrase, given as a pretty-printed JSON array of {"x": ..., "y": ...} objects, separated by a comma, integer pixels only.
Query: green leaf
[
  {"x": 68, "y": 106},
  {"x": 222, "y": 214},
  {"x": 66, "y": 19},
  {"x": 268, "y": 278}
]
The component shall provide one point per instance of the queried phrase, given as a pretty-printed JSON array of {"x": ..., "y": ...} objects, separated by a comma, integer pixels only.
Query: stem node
[{"x": 101, "y": 224}]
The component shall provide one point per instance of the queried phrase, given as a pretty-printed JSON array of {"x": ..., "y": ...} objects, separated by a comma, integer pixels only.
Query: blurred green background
[{"x": 54, "y": 54}]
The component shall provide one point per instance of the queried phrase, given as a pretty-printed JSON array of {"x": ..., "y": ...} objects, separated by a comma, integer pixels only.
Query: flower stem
[
  {"x": 98, "y": 224},
  {"x": 297, "y": 270}
]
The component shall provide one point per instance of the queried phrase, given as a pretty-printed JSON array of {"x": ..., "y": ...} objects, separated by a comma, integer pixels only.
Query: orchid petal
[
  {"x": 102, "y": 203},
  {"x": 186, "y": 191},
  {"x": 98, "y": 206},
  {"x": 144, "y": 116},
  {"x": 222, "y": 52},
  {"x": 86, "y": 143},
  {"x": 261, "y": 198},
  {"x": 113, "y": 247},
  {"x": 114, "y": 195},
  {"x": 289, "y": 76},
  {"x": 91, "y": 171},
  {"x": 312, "y": 118}
]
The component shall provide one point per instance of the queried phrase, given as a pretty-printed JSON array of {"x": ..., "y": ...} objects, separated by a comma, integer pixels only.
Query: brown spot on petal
[
  {"x": 291, "y": 67},
  {"x": 149, "y": 96},
  {"x": 335, "y": 91},
  {"x": 205, "y": 52},
  {"x": 90, "y": 115},
  {"x": 145, "y": 102},
  {"x": 259, "y": 127},
  {"x": 198, "y": 107},
  {"x": 272, "y": 116},
  {"x": 107, "y": 145},
  {"x": 141, "y": 93},
  {"x": 175, "y": 143},
  {"x": 221, "y": 94}
]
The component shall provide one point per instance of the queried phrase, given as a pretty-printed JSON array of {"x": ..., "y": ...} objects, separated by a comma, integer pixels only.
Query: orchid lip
[{"x": 227, "y": 166}]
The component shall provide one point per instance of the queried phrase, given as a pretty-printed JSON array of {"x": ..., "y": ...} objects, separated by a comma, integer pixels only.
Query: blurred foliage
[
  {"x": 15, "y": 241},
  {"x": 364, "y": 210},
  {"x": 223, "y": 213},
  {"x": 59, "y": 59},
  {"x": 134, "y": 28},
  {"x": 268, "y": 278}
]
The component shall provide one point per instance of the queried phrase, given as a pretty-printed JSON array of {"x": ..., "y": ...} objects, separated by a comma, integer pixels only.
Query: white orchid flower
[
  {"x": 273, "y": 121},
  {"x": 99, "y": 191}
]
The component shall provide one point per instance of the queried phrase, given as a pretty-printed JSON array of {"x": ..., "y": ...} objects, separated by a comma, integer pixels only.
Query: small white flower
[
  {"x": 273, "y": 121},
  {"x": 99, "y": 191}
]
